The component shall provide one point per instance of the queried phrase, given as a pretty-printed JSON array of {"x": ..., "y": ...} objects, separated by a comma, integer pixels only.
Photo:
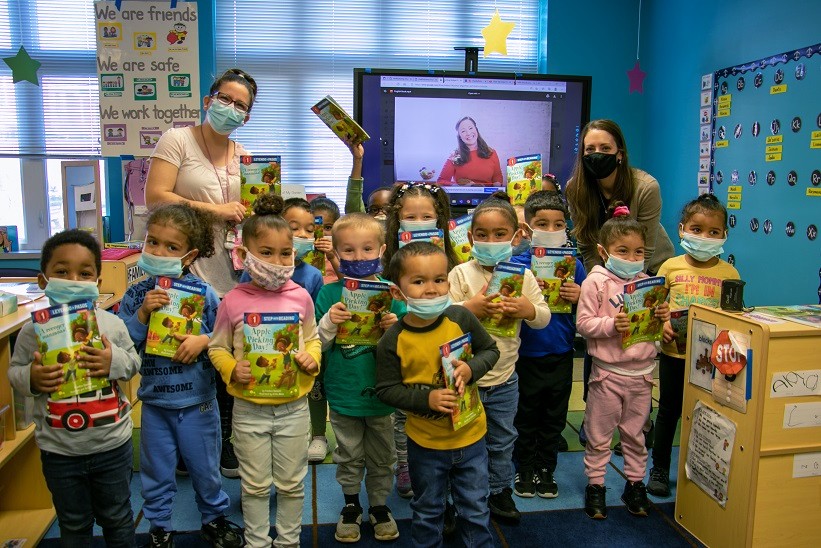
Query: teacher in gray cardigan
[{"x": 602, "y": 175}]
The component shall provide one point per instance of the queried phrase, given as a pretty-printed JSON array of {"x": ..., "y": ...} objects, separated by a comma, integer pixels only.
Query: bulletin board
[
  {"x": 760, "y": 154},
  {"x": 148, "y": 68}
]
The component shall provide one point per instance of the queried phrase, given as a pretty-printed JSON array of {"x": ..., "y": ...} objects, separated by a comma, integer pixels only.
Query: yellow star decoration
[{"x": 496, "y": 35}]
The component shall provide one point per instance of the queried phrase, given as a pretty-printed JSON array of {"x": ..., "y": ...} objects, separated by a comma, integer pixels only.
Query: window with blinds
[
  {"x": 299, "y": 51},
  {"x": 60, "y": 117}
]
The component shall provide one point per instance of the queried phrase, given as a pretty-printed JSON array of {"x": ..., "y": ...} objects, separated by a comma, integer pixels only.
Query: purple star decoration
[{"x": 636, "y": 76}]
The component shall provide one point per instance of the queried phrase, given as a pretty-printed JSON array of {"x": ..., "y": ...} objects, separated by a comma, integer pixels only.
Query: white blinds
[
  {"x": 61, "y": 116},
  {"x": 299, "y": 51}
]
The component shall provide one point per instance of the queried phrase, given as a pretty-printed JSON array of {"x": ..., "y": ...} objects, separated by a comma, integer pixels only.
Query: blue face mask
[
  {"x": 427, "y": 309},
  {"x": 702, "y": 249},
  {"x": 408, "y": 226},
  {"x": 223, "y": 119},
  {"x": 492, "y": 253},
  {"x": 60, "y": 291},
  {"x": 626, "y": 270},
  {"x": 154, "y": 265},
  {"x": 302, "y": 246},
  {"x": 360, "y": 268}
]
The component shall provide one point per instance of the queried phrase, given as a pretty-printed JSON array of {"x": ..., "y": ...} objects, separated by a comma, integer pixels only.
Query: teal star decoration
[{"x": 23, "y": 67}]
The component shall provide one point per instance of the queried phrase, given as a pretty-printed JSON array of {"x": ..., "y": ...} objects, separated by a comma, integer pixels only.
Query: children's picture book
[
  {"x": 555, "y": 266},
  {"x": 468, "y": 405},
  {"x": 182, "y": 316},
  {"x": 640, "y": 301},
  {"x": 678, "y": 319},
  {"x": 8, "y": 239},
  {"x": 435, "y": 236},
  {"x": 807, "y": 314},
  {"x": 339, "y": 121},
  {"x": 60, "y": 333},
  {"x": 458, "y": 232},
  {"x": 317, "y": 258},
  {"x": 701, "y": 346},
  {"x": 258, "y": 175},
  {"x": 524, "y": 175},
  {"x": 507, "y": 281},
  {"x": 367, "y": 301},
  {"x": 270, "y": 344}
]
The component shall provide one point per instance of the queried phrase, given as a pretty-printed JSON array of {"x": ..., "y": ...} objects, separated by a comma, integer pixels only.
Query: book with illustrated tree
[
  {"x": 340, "y": 122},
  {"x": 181, "y": 316},
  {"x": 367, "y": 301},
  {"x": 554, "y": 266},
  {"x": 314, "y": 257},
  {"x": 458, "y": 232},
  {"x": 640, "y": 301},
  {"x": 61, "y": 332},
  {"x": 524, "y": 175},
  {"x": 270, "y": 342},
  {"x": 468, "y": 405},
  {"x": 507, "y": 281},
  {"x": 258, "y": 175}
]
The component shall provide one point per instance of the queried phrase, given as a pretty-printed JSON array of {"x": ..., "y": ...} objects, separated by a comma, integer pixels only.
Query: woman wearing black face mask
[{"x": 602, "y": 176}]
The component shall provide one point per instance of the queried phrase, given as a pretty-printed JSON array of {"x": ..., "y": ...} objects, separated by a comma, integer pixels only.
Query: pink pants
[{"x": 616, "y": 400}]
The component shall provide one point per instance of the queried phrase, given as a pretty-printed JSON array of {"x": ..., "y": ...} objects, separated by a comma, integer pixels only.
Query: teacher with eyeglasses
[{"x": 199, "y": 165}]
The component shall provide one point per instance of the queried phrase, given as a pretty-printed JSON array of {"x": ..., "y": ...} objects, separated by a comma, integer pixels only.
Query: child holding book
[
  {"x": 621, "y": 381},
  {"x": 270, "y": 434},
  {"x": 87, "y": 466},
  {"x": 545, "y": 364},
  {"x": 180, "y": 417},
  {"x": 694, "y": 277},
  {"x": 362, "y": 424},
  {"x": 410, "y": 377},
  {"x": 414, "y": 206},
  {"x": 494, "y": 232},
  {"x": 329, "y": 212}
]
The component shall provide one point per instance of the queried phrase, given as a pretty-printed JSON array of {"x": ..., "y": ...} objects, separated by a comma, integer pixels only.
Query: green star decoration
[{"x": 23, "y": 67}]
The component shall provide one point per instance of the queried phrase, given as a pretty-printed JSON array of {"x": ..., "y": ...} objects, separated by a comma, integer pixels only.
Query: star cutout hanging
[
  {"x": 636, "y": 76},
  {"x": 23, "y": 67},
  {"x": 496, "y": 35}
]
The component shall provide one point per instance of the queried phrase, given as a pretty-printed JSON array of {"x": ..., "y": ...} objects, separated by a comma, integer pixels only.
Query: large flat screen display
[{"x": 461, "y": 129}]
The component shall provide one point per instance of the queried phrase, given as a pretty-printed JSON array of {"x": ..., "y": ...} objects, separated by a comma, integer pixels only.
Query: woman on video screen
[{"x": 474, "y": 163}]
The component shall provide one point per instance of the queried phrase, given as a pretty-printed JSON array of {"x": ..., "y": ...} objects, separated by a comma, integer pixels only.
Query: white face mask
[{"x": 549, "y": 238}]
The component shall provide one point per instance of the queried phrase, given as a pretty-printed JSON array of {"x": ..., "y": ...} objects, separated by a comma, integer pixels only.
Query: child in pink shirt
[{"x": 621, "y": 381}]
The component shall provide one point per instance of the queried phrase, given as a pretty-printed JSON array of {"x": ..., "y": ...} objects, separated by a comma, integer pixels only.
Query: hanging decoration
[
  {"x": 23, "y": 67},
  {"x": 635, "y": 74},
  {"x": 495, "y": 35}
]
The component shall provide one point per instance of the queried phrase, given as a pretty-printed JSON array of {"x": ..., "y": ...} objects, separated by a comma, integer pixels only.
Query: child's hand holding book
[
  {"x": 388, "y": 320},
  {"x": 191, "y": 346},
  {"x": 442, "y": 400},
  {"x": 44, "y": 379},
  {"x": 97, "y": 361},
  {"x": 622, "y": 322},
  {"x": 154, "y": 300},
  {"x": 242, "y": 372},
  {"x": 461, "y": 375},
  {"x": 339, "y": 313},
  {"x": 669, "y": 334},
  {"x": 306, "y": 362},
  {"x": 482, "y": 305},
  {"x": 518, "y": 308},
  {"x": 570, "y": 292},
  {"x": 663, "y": 311}
]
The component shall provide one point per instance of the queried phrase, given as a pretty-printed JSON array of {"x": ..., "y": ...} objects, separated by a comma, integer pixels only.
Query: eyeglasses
[
  {"x": 226, "y": 100},
  {"x": 376, "y": 210}
]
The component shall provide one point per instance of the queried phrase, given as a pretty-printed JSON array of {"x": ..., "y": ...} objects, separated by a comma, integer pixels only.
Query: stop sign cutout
[{"x": 725, "y": 357}]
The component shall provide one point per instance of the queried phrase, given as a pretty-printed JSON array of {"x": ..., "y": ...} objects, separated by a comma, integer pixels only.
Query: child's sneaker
[
  {"x": 618, "y": 450},
  {"x": 524, "y": 485},
  {"x": 384, "y": 526},
  {"x": 160, "y": 538},
  {"x": 403, "y": 482},
  {"x": 546, "y": 486},
  {"x": 635, "y": 497},
  {"x": 595, "y": 505},
  {"x": 347, "y": 528},
  {"x": 659, "y": 484},
  {"x": 222, "y": 533},
  {"x": 501, "y": 506},
  {"x": 229, "y": 465},
  {"x": 318, "y": 449}
]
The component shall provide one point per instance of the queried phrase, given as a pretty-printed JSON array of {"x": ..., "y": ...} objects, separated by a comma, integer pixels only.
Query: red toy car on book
[{"x": 87, "y": 410}]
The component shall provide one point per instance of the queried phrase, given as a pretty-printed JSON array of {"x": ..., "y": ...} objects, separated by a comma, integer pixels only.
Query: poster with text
[
  {"x": 709, "y": 450},
  {"x": 148, "y": 69}
]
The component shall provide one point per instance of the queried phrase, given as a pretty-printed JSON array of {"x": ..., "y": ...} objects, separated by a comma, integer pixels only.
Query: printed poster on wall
[
  {"x": 148, "y": 68},
  {"x": 709, "y": 450}
]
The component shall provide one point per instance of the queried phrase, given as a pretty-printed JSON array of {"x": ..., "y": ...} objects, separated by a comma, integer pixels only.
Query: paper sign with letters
[
  {"x": 789, "y": 384},
  {"x": 802, "y": 415}
]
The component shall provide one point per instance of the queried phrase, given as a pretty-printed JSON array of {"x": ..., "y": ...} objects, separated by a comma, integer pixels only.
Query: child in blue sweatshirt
[
  {"x": 545, "y": 364},
  {"x": 180, "y": 418}
]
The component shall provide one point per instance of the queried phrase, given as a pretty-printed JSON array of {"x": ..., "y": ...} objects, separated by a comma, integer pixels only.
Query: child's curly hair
[{"x": 196, "y": 224}]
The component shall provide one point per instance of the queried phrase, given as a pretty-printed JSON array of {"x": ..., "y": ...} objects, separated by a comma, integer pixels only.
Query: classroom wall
[{"x": 683, "y": 41}]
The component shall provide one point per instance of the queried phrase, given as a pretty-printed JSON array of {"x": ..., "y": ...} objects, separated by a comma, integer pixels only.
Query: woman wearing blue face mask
[{"x": 200, "y": 165}]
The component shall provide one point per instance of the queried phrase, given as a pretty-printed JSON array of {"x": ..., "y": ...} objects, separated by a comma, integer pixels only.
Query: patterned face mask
[{"x": 267, "y": 275}]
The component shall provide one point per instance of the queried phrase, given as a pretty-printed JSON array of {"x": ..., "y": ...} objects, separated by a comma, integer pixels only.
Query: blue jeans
[
  {"x": 465, "y": 470},
  {"x": 92, "y": 487},
  {"x": 500, "y": 402},
  {"x": 194, "y": 434}
]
